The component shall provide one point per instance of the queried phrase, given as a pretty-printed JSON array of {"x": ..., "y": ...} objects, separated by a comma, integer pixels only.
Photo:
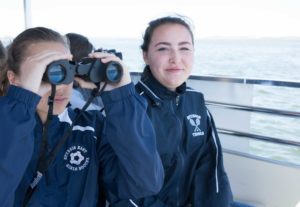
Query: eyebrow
[{"x": 168, "y": 44}]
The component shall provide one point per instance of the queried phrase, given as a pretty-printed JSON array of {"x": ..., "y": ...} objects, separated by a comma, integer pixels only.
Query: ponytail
[
  {"x": 4, "y": 83},
  {"x": 3, "y": 70}
]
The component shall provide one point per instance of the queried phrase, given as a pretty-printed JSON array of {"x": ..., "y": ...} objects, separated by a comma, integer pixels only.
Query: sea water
[{"x": 277, "y": 59}]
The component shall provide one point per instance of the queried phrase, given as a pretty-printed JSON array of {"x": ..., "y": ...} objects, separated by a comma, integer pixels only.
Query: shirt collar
[{"x": 158, "y": 89}]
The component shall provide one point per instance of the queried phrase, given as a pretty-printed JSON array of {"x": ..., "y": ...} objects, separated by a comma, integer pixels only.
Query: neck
[
  {"x": 43, "y": 116},
  {"x": 171, "y": 89}
]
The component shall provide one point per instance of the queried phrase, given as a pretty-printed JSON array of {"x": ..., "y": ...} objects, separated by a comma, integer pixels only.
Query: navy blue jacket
[
  {"x": 116, "y": 152},
  {"x": 189, "y": 147}
]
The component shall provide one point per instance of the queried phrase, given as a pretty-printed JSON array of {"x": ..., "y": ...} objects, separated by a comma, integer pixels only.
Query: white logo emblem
[
  {"x": 194, "y": 120},
  {"x": 76, "y": 158}
]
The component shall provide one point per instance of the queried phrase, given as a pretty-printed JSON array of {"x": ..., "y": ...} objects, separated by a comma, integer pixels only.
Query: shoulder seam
[{"x": 146, "y": 87}]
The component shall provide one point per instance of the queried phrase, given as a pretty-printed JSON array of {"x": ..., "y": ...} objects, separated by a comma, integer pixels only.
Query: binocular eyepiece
[{"x": 90, "y": 69}]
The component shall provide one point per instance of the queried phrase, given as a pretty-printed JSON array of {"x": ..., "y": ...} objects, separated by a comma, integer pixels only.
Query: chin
[
  {"x": 177, "y": 84},
  {"x": 58, "y": 110}
]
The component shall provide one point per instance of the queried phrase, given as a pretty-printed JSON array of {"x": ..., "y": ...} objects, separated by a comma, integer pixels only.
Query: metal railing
[
  {"x": 276, "y": 112},
  {"x": 258, "y": 110},
  {"x": 255, "y": 81},
  {"x": 255, "y": 109},
  {"x": 258, "y": 137}
]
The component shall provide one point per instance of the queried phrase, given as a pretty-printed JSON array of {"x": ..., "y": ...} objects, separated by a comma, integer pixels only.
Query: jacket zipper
[
  {"x": 180, "y": 154},
  {"x": 177, "y": 100}
]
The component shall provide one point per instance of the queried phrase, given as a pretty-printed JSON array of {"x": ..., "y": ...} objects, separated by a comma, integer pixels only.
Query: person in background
[
  {"x": 187, "y": 139},
  {"x": 81, "y": 47},
  {"x": 61, "y": 158},
  {"x": 3, "y": 81},
  {"x": 2, "y": 54}
]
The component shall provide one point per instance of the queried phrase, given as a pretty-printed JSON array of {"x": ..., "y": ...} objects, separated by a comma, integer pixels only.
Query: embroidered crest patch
[
  {"x": 76, "y": 158},
  {"x": 195, "y": 121}
]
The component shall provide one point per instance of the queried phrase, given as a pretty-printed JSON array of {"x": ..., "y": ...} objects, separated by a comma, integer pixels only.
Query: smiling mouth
[
  {"x": 173, "y": 69},
  {"x": 59, "y": 99}
]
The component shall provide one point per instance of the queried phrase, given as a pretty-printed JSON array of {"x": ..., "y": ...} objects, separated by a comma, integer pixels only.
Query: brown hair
[
  {"x": 161, "y": 21},
  {"x": 17, "y": 50},
  {"x": 3, "y": 80}
]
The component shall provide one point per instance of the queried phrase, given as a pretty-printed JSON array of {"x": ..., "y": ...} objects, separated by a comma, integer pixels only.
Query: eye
[
  {"x": 185, "y": 48},
  {"x": 162, "y": 49}
]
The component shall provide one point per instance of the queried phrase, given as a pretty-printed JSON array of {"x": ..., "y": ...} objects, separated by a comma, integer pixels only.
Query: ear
[
  {"x": 145, "y": 57},
  {"x": 12, "y": 78}
]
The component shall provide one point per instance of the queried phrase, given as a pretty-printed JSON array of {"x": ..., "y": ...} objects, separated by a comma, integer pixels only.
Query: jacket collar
[{"x": 156, "y": 90}]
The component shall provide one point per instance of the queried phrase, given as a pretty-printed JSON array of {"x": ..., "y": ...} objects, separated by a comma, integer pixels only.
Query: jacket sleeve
[
  {"x": 211, "y": 185},
  {"x": 130, "y": 164},
  {"x": 17, "y": 121}
]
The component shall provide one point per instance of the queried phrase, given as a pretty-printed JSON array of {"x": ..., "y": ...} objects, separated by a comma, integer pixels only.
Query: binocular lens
[
  {"x": 56, "y": 74},
  {"x": 114, "y": 72}
]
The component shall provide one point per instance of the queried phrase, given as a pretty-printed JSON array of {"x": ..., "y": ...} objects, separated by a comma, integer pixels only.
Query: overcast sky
[{"x": 121, "y": 18}]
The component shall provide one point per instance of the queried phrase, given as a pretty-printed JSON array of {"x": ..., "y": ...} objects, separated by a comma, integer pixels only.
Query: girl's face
[
  {"x": 170, "y": 55},
  {"x": 63, "y": 92}
]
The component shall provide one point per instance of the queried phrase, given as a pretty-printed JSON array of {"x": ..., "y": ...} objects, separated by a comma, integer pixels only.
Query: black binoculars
[{"x": 90, "y": 69}]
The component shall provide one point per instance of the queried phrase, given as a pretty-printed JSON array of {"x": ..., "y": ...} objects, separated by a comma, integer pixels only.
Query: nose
[
  {"x": 60, "y": 88},
  {"x": 175, "y": 57}
]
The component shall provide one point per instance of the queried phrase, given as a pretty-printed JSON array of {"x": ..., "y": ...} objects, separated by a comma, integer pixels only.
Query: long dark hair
[{"x": 17, "y": 50}]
